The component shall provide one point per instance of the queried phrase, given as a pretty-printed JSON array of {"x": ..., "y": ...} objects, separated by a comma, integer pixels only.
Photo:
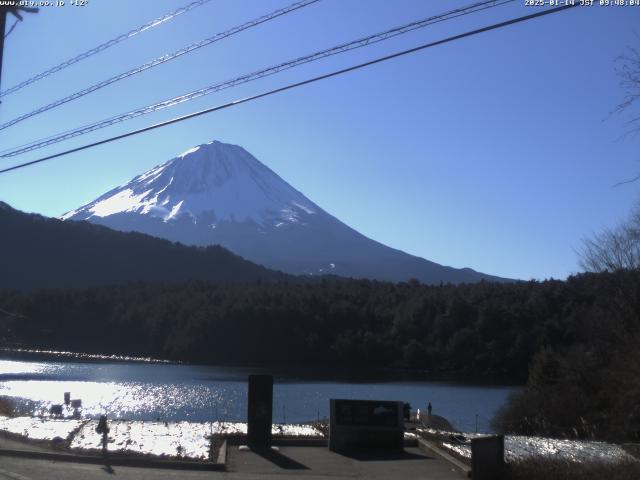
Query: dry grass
[{"x": 553, "y": 469}]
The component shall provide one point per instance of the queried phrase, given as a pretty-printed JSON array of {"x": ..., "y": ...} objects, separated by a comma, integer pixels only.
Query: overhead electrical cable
[
  {"x": 12, "y": 27},
  {"x": 103, "y": 46},
  {"x": 345, "y": 47},
  {"x": 163, "y": 59},
  {"x": 295, "y": 85}
]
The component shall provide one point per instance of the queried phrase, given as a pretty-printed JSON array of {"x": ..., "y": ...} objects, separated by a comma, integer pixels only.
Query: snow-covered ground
[
  {"x": 39, "y": 428},
  {"x": 519, "y": 446},
  {"x": 192, "y": 439},
  {"x": 183, "y": 439}
]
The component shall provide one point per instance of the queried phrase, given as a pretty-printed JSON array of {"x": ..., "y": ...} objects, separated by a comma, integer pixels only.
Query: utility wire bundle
[
  {"x": 248, "y": 77},
  {"x": 160, "y": 60},
  {"x": 368, "y": 40},
  {"x": 103, "y": 46}
]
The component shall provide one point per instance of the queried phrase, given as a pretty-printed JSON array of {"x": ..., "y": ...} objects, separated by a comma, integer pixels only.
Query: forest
[{"x": 575, "y": 341}]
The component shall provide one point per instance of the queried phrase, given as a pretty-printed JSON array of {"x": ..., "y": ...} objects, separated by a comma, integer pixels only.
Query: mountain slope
[
  {"x": 39, "y": 252},
  {"x": 218, "y": 193}
]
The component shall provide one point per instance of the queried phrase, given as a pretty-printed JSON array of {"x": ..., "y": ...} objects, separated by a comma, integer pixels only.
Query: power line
[
  {"x": 362, "y": 42},
  {"x": 295, "y": 85},
  {"x": 110, "y": 43},
  {"x": 41, "y": 143},
  {"x": 163, "y": 59},
  {"x": 12, "y": 27}
]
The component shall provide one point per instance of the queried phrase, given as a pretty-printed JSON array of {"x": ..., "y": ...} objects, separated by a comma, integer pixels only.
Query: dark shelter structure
[{"x": 366, "y": 424}]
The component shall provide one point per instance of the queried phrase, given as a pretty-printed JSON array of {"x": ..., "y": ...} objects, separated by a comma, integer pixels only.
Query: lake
[{"x": 171, "y": 392}]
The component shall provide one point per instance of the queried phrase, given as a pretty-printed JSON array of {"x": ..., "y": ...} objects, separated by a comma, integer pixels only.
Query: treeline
[
  {"x": 574, "y": 342},
  {"x": 589, "y": 387},
  {"x": 484, "y": 329}
]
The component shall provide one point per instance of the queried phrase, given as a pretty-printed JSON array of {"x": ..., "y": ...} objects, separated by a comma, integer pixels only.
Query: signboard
[
  {"x": 366, "y": 412},
  {"x": 366, "y": 424}
]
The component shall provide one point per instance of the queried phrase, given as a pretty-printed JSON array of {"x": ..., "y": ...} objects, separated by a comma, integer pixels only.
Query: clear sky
[{"x": 496, "y": 152}]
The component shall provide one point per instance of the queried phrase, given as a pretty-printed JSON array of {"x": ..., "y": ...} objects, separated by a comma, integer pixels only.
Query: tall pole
[
  {"x": 3, "y": 26},
  {"x": 15, "y": 10}
]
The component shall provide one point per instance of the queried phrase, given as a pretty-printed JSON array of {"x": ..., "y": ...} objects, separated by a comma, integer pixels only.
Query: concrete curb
[
  {"x": 222, "y": 454},
  {"x": 300, "y": 442},
  {"x": 239, "y": 439},
  {"x": 410, "y": 442},
  {"x": 116, "y": 460},
  {"x": 319, "y": 442},
  {"x": 460, "y": 467}
]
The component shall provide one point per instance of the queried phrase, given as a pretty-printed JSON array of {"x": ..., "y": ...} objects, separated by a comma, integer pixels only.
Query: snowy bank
[
  {"x": 190, "y": 440},
  {"x": 519, "y": 447}
]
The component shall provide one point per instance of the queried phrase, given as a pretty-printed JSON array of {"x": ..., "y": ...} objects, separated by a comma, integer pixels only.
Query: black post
[
  {"x": 260, "y": 411},
  {"x": 3, "y": 26},
  {"x": 103, "y": 428},
  {"x": 487, "y": 458},
  {"x": 16, "y": 11}
]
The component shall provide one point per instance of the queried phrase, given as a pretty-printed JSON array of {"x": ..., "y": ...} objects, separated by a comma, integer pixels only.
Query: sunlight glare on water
[
  {"x": 17, "y": 368},
  {"x": 197, "y": 393}
]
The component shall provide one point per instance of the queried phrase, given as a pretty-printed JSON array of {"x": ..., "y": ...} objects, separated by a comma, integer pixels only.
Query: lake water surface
[{"x": 148, "y": 391}]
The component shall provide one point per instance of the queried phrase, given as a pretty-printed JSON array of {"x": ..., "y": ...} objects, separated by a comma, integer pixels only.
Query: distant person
[{"x": 429, "y": 408}]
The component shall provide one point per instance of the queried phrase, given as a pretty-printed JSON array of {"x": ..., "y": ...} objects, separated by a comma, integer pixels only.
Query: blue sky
[{"x": 495, "y": 152}]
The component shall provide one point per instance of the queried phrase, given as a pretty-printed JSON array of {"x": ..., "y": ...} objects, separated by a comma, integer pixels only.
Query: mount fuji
[{"x": 218, "y": 193}]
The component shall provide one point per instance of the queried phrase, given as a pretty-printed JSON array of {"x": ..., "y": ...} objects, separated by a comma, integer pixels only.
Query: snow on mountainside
[
  {"x": 218, "y": 193},
  {"x": 216, "y": 178}
]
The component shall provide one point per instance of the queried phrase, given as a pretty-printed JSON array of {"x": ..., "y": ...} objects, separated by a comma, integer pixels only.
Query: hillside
[{"x": 39, "y": 252}]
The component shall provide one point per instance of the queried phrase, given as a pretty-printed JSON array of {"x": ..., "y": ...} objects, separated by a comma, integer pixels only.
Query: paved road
[
  {"x": 14, "y": 468},
  {"x": 309, "y": 463},
  {"x": 320, "y": 463},
  {"x": 18, "y": 445}
]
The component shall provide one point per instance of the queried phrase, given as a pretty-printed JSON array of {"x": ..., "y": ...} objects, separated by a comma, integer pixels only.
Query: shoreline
[
  {"x": 83, "y": 355},
  {"x": 200, "y": 441},
  {"x": 289, "y": 373}
]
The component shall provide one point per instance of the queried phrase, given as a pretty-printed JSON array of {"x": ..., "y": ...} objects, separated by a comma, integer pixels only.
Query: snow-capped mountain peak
[
  {"x": 219, "y": 194},
  {"x": 219, "y": 181}
]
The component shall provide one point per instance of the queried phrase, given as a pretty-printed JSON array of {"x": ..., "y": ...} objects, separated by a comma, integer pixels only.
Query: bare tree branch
[
  {"x": 615, "y": 248},
  {"x": 628, "y": 72},
  {"x": 631, "y": 180}
]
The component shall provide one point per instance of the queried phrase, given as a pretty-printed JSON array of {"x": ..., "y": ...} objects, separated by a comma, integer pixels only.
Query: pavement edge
[{"x": 460, "y": 467}]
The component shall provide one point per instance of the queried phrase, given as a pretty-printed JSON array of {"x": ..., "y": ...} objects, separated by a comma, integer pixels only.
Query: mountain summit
[
  {"x": 216, "y": 181},
  {"x": 218, "y": 193}
]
